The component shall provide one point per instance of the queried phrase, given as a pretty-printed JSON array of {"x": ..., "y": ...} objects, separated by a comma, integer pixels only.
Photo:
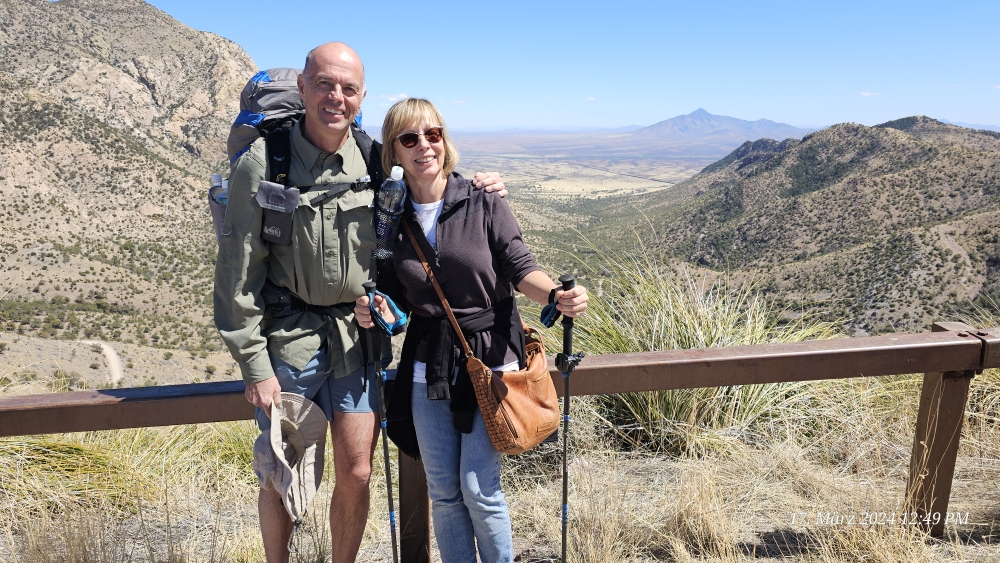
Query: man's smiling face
[{"x": 332, "y": 88}]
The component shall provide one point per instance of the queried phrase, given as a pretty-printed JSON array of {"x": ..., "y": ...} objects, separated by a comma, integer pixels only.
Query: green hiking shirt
[{"x": 330, "y": 256}]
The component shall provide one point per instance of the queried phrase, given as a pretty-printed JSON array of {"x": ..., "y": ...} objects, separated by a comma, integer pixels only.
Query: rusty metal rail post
[
  {"x": 943, "y": 402},
  {"x": 414, "y": 512}
]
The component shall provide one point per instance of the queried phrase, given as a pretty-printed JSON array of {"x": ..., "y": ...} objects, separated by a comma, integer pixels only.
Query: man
[{"x": 310, "y": 344}]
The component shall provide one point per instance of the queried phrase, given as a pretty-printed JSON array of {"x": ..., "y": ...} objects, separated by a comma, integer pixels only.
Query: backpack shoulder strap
[
  {"x": 279, "y": 154},
  {"x": 371, "y": 151}
]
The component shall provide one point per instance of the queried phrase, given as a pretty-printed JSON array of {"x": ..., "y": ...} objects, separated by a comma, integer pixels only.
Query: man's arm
[{"x": 240, "y": 272}]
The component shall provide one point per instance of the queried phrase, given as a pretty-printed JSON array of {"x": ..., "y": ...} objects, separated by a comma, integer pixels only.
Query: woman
[{"x": 475, "y": 248}]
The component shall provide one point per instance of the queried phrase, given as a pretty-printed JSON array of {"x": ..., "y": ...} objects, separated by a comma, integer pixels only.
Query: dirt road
[{"x": 114, "y": 363}]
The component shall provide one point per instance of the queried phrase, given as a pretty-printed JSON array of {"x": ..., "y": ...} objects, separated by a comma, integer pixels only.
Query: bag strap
[
  {"x": 371, "y": 152},
  {"x": 437, "y": 288}
]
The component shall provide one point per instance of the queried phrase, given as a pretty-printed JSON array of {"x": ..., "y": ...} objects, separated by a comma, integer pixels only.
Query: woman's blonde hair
[{"x": 404, "y": 114}]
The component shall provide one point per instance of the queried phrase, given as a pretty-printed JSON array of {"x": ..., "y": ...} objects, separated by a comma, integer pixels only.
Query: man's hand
[
  {"x": 489, "y": 181},
  {"x": 263, "y": 393}
]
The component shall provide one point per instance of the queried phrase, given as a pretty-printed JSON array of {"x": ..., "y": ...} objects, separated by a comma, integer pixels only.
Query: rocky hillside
[
  {"x": 129, "y": 65},
  {"x": 112, "y": 118},
  {"x": 886, "y": 227}
]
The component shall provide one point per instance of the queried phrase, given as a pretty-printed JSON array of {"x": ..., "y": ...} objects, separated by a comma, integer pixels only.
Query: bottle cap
[{"x": 397, "y": 173}]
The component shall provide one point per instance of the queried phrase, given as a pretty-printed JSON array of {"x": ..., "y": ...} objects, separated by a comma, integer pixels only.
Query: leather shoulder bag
[{"x": 520, "y": 408}]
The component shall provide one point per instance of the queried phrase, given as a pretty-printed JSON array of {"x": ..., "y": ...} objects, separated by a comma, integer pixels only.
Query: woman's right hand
[
  {"x": 363, "y": 314},
  {"x": 572, "y": 302}
]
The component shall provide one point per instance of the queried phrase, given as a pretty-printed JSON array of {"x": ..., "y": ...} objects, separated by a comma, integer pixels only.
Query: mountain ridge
[
  {"x": 701, "y": 123},
  {"x": 881, "y": 227},
  {"x": 698, "y": 135}
]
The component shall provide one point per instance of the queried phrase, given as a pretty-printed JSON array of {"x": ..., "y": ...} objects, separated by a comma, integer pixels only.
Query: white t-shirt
[
  {"x": 427, "y": 216},
  {"x": 420, "y": 370}
]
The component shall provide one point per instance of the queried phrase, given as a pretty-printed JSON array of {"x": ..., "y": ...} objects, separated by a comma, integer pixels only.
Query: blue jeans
[{"x": 463, "y": 482}]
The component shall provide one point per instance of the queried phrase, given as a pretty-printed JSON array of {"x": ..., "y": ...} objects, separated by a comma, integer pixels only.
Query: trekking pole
[
  {"x": 380, "y": 386},
  {"x": 566, "y": 361}
]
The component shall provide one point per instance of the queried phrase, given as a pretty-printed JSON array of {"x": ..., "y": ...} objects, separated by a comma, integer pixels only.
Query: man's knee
[{"x": 356, "y": 475}]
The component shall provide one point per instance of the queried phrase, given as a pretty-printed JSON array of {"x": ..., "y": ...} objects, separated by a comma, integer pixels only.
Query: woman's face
[{"x": 425, "y": 160}]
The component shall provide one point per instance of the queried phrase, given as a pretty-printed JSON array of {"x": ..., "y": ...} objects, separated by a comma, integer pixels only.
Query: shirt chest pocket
[
  {"x": 342, "y": 224},
  {"x": 356, "y": 222}
]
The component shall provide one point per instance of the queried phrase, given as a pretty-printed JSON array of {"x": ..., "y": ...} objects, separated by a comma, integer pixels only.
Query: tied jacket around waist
[{"x": 479, "y": 259}]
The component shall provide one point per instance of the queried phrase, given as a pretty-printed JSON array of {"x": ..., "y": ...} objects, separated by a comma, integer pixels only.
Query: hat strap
[{"x": 291, "y": 537}]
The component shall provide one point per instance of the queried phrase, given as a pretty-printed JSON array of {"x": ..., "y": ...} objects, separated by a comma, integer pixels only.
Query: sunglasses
[{"x": 410, "y": 140}]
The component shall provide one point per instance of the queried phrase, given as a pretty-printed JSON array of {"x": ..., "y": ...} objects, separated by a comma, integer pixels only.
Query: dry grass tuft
[
  {"x": 701, "y": 519},
  {"x": 888, "y": 544}
]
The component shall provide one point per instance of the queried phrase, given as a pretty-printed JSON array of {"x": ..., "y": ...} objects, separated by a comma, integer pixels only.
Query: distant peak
[
  {"x": 699, "y": 112},
  {"x": 907, "y": 123}
]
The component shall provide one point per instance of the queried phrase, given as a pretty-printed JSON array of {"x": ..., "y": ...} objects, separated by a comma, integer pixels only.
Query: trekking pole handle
[
  {"x": 568, "y": 282},
  {"x": 369, "y": 287}
]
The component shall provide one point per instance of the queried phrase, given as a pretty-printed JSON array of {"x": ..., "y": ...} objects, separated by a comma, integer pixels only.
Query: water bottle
[
  {"x": 220, "y": 189},
  {"x": 218, "y": 197},
  {"x": 388, "y": 209}
]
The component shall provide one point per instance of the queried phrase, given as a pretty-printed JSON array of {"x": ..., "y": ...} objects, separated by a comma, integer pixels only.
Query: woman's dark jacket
[{"x": 480, "y": 257}]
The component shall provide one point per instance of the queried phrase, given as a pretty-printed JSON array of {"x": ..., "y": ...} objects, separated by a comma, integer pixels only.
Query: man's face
[{"x": 332, "y": 92}]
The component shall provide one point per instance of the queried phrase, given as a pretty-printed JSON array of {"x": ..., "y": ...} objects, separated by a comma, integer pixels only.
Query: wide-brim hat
[{"x": 289, "y": 457}]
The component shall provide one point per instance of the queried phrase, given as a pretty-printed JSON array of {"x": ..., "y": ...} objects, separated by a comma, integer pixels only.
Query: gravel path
[{"x": 114, "y": 363}]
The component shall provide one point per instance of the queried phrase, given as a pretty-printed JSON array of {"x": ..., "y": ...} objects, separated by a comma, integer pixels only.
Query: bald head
[
  {"x": 332, "y": 86},
  {"x": 333, "y": 52}
]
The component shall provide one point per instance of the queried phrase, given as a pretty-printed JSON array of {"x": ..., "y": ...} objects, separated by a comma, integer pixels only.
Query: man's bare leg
[
  {"x": 354, "y": 439},
  {"x": 275, "y": 525}
]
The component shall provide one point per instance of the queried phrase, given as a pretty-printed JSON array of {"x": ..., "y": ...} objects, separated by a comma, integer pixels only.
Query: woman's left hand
[{"x": 573, "y": 302}]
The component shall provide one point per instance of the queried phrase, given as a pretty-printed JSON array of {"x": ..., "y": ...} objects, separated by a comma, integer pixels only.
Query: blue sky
[{"x": 538, "y": 64}]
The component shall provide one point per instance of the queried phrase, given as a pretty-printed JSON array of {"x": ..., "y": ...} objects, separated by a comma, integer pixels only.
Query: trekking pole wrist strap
[{"x": 394, "y": 328}]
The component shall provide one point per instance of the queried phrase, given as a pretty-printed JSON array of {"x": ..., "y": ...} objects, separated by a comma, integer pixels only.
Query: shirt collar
[
  {"x": 457, "y": 190},
  {"x": 312, "y": 155}
]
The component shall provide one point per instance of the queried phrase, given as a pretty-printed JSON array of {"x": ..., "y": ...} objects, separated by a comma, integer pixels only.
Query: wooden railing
[{"x": 949, "y": 356}]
